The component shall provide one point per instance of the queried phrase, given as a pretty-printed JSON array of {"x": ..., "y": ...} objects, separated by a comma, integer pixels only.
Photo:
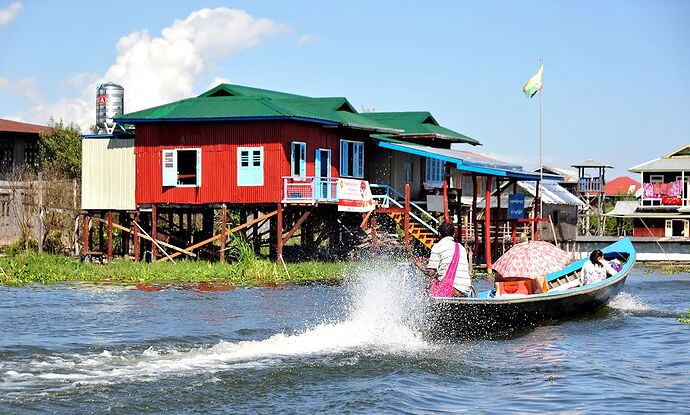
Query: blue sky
[{"x": 616, "y": 73}]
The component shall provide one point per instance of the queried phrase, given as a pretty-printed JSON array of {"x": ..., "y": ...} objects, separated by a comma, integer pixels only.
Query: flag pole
[{"x": 541, "y": 143}]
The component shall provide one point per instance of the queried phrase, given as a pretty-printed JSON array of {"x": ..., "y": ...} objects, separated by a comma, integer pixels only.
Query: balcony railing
[
  {"x": 309, "y": 189},
  {"x": 590, "y": 185}
]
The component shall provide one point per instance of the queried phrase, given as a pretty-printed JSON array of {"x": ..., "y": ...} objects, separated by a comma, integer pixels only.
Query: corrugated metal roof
[
  {"x": 236, "y": 102},
  {"x": 21, "y": 127},
  {"x": 418, "y": 124},
  {"x": 464, "y": 160},
  {"x": 552, "y": 193},
  {"x": 624, "y": 208},
  {"x": 663, "y": 164}
]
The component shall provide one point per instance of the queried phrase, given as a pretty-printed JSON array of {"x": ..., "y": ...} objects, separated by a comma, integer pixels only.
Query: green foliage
[
  {"x": 685, "y": 319},
  {"x": 59, "y": 150},
  {"x": 19, "y": 267}
]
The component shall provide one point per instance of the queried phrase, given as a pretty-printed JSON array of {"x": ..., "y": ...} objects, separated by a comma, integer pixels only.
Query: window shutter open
[
  {"x": 169, "y": 159},
  {"x": 343, "y": 159},
  {"x": 358, "y": 161},
  {"x": 303, "y": 160},
  {"x": 198, "y": 167}
]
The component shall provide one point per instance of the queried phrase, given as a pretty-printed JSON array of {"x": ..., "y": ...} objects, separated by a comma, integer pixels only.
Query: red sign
[{"x": 102, "y": 99}]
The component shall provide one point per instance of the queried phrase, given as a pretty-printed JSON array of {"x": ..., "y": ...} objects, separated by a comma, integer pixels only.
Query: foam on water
[
  {"x": 628, "y": 302},
  {"x": 382, "y": 308}
]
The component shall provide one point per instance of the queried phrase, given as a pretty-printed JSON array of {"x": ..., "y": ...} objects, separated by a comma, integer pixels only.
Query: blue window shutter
[
  {"x": 343, "y": 158},
  {"x": 198, "y": 167},
  {"x": 358, "y": 162},
  {"x": 169, "y": 164},
  {"x": 303, "y": 160},
  {"x": 317, "y": 163},
  {"x": 250, "y": 166},
  {"x": 292, "y": 159}
]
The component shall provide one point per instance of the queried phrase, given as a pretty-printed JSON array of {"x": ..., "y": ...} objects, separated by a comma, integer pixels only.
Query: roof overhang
[
  {"x": 494, "y": 169},
  {"x": 161, "y": 120}
]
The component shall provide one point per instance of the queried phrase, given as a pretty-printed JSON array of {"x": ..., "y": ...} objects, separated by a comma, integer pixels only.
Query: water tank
[{"x": 110, "y": 102}]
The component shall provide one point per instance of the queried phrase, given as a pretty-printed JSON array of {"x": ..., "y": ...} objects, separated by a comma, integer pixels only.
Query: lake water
[{"x": 354, "y": 348}]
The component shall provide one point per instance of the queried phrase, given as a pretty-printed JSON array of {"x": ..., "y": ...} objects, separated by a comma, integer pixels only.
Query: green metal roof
[
  {"x": 230, "y": 102},
  {"x": 418, "y": 124}
]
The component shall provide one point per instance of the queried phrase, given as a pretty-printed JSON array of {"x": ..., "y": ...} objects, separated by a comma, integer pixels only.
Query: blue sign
[{"x": 516, "y": 206}]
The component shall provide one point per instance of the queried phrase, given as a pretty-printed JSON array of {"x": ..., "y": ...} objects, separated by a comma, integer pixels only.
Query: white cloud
[
  {"x": 218, "y": 80},
  {"x": 9, "y": 13},
  {"x": 307, "y": 38},
  {"x": 165, "y": 68}
]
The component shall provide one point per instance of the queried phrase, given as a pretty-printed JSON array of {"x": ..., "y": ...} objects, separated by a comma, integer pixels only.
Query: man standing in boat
[{"x": 448, "y": 266}]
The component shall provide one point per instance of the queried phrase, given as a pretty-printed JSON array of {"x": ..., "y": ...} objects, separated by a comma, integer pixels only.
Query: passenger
[
  {"x": 596, "y": 269},
  {"x": 448, "y": 266}
]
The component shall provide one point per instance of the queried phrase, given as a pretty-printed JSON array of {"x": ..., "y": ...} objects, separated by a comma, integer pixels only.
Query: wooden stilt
[
  {"x": 110, "y": 236},
  {"x": 475, "y": 227},
  {"x": 498, "y": 212},
  {"x": 374, "y": 238},
  {"x": 407, "y": 216},
  {"x": 513, "y": 223},
  {"x": 446, "y": 213},
  {"x": 296, "y": 226},
  {"x": 85, "y": 248},
  {"x": 223, "y": 226},
  {"x": 279, "y": 231},
  {"x": 487, "y": 225},
  {"x": 154, "y": 232},
  {"x": 135, "y": 232}
]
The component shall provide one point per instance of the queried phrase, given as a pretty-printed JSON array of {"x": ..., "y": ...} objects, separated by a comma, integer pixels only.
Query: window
[
  {"x": 250, "y": 166},
  {"x": 182, "y": 167},
  {"x": 656, "y": 178},
  {"x": 298, "y": 159},
  {"x": 31, "y": 154},
  {"x": 435, "y": 171},
  {"x": 352, "y": 158},
  {"x": 6, "y": 154},
  {"x": 407, "y": 170}
]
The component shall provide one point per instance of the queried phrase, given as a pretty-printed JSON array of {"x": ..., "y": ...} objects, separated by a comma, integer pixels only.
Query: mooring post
[
  {"x": 223, "y": 226},
  {"x": 154, "y": 232},
  {"x": 135, "y": 232},
  {"x": 487, "y": 224},
  {"x": 513, "y": 223},
  {"x": 279, "y": 232},
  {"x": 475, "y": 190},
  {"x": 498, "y": 212},
  {"x": 110, "y": 236},
  {"x": 374, "y": 238},
  {"x": 446, "y": 214}
]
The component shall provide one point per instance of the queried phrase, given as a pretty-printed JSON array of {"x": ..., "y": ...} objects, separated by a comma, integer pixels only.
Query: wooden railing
[
  {"x": 309, "y": 189},
  {"x": 590, "y": 184}
]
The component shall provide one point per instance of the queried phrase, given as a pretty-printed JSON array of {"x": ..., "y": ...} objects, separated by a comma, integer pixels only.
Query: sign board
[
  {"x": 354, "y": 196},
  {"x": 434, "y": 203},
  {"x": 516, "y": 206}
]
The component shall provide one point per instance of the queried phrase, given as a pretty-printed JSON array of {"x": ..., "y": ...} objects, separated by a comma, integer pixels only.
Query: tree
[{"x": 59, "y": 150}]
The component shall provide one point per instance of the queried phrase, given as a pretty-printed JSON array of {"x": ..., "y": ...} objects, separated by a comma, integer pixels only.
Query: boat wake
[
  {"x": 382, "y": 313},
  {"x": 632, "y": 305}
]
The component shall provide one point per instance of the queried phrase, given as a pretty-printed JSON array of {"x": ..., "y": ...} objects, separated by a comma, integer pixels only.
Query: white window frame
[
  {"x": 656, "y": 178},
  {"x": 172, "y": 169},
  {"x": 357, "y": 159},
  {"x": 262, "y": 165},
  {"x": 302, "y": 146}
]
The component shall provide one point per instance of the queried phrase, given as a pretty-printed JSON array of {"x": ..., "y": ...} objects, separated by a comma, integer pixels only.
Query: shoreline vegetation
[{"x": 33, "y": 268}]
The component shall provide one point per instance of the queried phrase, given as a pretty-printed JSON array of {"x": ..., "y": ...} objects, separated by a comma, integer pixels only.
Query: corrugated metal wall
[
  {"x": 218, "y": 142},
  {"x": 108, "y": 172}
]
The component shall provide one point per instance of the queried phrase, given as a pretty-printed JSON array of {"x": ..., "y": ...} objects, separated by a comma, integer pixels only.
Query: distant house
[
  {"x": 569, "y": 181},
  {"x": 664, "y": 206},
  {"x": 18, "y": 144},
  {"x": 621, "y": 186}
]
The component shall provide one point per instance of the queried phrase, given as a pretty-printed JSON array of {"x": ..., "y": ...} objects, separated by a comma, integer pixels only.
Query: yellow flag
[{"x": 535, "y": 83}]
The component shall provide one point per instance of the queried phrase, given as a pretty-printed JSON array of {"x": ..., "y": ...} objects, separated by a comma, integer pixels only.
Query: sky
[{"x": 616, "y": 73}]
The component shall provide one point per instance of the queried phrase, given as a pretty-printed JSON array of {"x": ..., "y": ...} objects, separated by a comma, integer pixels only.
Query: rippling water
[{"x": 354, "y": 348}]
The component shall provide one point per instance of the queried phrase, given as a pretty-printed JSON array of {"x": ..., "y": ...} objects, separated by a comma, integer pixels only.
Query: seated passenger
[{"x": 596, "y": 269}]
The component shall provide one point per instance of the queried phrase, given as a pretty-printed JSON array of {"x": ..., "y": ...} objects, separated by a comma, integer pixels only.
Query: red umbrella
[{"x": 531, "y": 259}]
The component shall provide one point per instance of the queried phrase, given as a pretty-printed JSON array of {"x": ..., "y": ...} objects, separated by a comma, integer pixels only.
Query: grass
[
  {"x": 27, "y": 268},
  {"x": 666, "y": 269}
]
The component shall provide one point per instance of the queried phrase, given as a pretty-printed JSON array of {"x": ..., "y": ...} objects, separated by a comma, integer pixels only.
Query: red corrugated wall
[{"x": 218, "y": 142}]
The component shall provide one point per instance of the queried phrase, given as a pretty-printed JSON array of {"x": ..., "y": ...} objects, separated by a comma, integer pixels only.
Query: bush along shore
[{"x": 30, "y": 267}]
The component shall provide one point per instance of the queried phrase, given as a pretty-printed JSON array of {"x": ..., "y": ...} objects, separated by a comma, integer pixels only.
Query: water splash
[
  {"x": 628, "y": 302},
  {"x": 382, "y": 308}
]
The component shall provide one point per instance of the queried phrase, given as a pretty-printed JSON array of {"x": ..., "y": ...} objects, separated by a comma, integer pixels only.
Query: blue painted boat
[{"x": 486, "y": 314}]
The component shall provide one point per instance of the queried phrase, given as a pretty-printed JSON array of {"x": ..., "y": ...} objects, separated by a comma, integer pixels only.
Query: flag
[{"x": 535, "y": 83}]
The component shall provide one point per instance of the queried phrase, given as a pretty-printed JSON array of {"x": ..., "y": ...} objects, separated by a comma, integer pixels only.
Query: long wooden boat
[{"x": 487, "y": 314}]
